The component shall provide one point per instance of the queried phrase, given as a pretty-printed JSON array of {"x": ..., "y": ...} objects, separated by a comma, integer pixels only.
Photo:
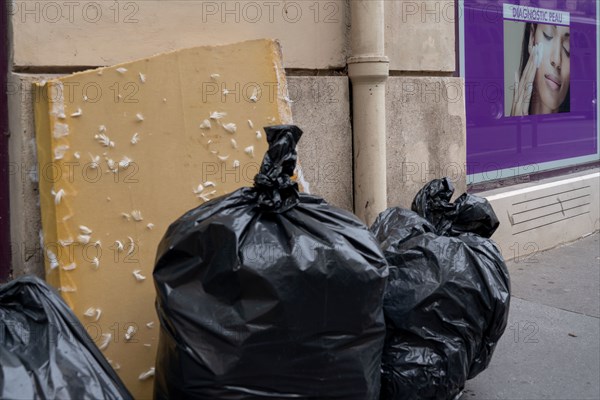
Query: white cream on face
[{"x": 538, "y": 50}]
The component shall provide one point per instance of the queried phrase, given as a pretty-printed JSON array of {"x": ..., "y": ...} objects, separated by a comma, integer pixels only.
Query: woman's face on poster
[{"x": 552, "y": 78}]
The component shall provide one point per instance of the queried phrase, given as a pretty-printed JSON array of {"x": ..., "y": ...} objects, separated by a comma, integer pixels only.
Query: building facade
[{"x": 449, "y": 98}]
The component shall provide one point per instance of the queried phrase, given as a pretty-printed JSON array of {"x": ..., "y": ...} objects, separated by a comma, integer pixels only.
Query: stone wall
[{"x": 425, "y": 112}]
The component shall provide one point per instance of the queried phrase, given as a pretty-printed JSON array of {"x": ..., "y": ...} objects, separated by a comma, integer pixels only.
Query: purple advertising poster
[{"x": 530, "y": 69}]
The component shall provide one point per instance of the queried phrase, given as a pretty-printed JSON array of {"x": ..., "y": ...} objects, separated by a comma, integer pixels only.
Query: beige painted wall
[
  {"x": 321, "y": 108},
  {"x": 426, "y": 135},
  {"x": 419, "y": 35},
  {"x": 536, "y": 216},
  {"x": 25, "y": 222},
  {"x": 313, "y": 34}
]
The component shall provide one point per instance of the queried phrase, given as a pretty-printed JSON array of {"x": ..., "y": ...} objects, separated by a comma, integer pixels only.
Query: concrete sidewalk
[{"x": 551, "y": 346}]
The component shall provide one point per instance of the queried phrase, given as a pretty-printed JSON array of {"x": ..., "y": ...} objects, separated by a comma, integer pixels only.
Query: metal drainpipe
[{"x": 368, "y": 69}]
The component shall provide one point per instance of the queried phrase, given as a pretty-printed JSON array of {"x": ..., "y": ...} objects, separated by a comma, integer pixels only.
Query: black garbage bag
[
  {"x": 45, "y": 352},
  {"x": 447, "y": 300},
  {"x": 396, "y": 225},
  {"x": 469, "y": 214},
  {"x": 267, "y": 293}
]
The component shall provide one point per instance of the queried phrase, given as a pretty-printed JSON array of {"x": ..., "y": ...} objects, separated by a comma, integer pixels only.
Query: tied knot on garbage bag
[
  {"x": 274, "y": 185},
  {"x": 268, "y": 293},
  {"x": 469, "y": 214},
  {"x": 447, "y": 299}
]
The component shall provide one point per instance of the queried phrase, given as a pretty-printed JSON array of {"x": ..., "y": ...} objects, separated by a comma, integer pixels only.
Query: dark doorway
[{"x": 4, "y": 210}]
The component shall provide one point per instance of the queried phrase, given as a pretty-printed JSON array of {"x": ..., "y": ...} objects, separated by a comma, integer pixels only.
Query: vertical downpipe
[{"x": 368, "y": 69}]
